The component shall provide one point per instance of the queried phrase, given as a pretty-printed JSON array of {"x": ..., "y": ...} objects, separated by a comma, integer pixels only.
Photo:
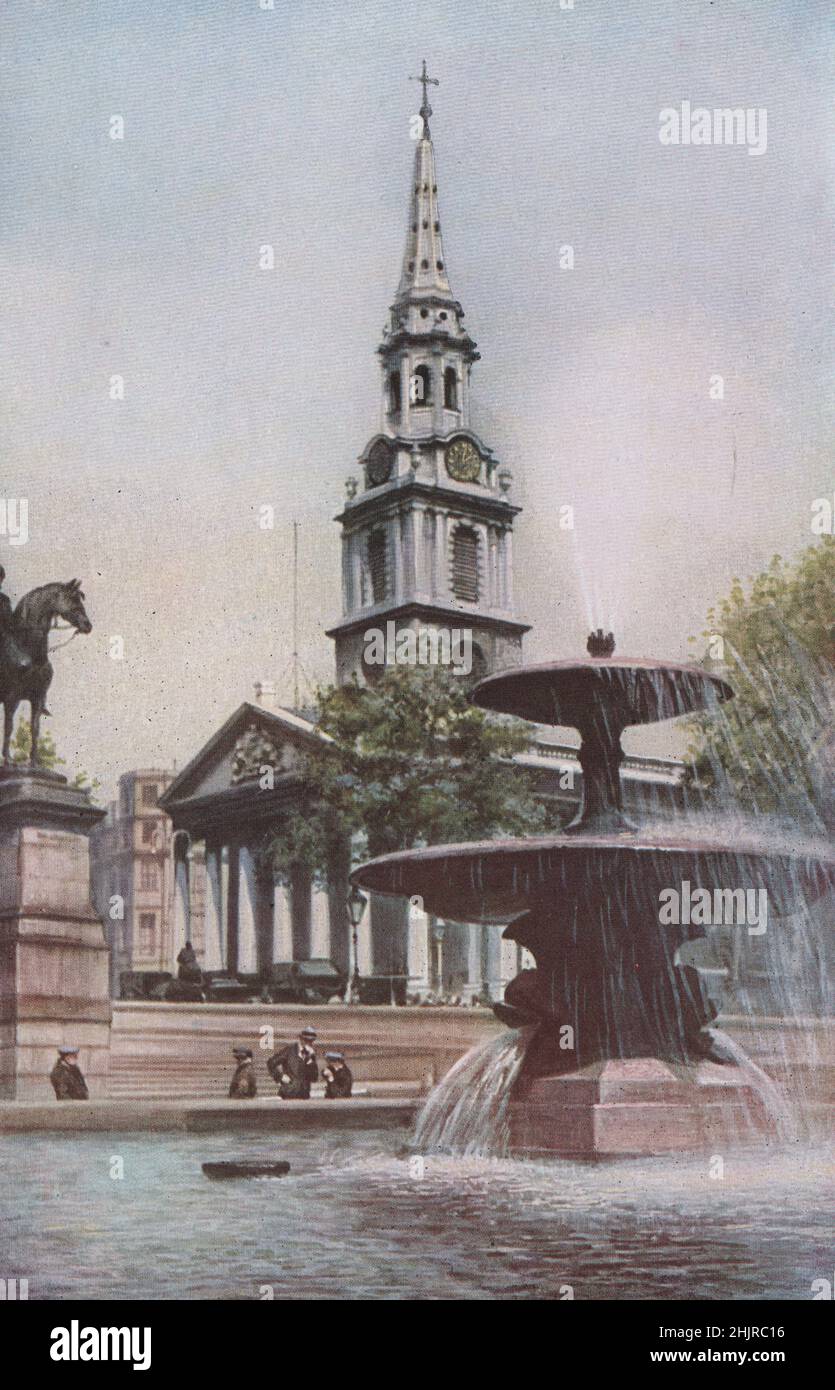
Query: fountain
[{"x": 621, "y": 1057}]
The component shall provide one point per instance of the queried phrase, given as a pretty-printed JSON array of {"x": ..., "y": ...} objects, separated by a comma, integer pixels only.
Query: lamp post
[{"x": 356, "y": 904}]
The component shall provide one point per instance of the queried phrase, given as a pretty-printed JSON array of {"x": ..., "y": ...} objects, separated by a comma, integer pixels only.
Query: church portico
[{"x": 231, "y": 799}]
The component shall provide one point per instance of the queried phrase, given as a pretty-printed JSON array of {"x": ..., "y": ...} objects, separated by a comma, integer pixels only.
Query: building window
[
  {"x": 147, "y": 933},
  {"x": 422, "y": 386},
  {"x": 465, "y": 564},
  {"x": 378, "y": 565},
  {"x": 150, "y": 793},
  {"x": 148, "y": 831},
  {"x": 450, "y": 389},
  {"x": 149, "y": 875},
  {"x": 394, "y": 392}
]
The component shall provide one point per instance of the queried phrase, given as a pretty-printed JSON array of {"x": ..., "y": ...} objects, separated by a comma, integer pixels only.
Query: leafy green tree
[
  {"x": 772, "y": 745},
  {"x": 21, "y": 747},
  {"x": 409, "y": 762}
]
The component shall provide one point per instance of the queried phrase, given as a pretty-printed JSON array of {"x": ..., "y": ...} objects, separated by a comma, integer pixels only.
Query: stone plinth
[
  {"x": 54, "y": 984},
  {"x": 638, "y": 1106}
]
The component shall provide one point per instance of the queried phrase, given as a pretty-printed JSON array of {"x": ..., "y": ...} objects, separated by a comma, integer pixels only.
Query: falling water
[
  {"x": 468, "y": 1112},
  {"x": 773, "y": 1097}
]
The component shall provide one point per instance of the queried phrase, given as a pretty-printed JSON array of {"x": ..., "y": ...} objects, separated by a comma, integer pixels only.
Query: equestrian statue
[{"x": 25, "y": 668}]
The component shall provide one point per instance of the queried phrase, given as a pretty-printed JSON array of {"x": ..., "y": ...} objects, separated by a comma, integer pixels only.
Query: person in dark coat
[
  {"x": 189, "y": 971},
  {"x": 337, "y": 1077},
  {"x": 67, "y": 1080},
  {"x": 294, "y": 1068},
  {"x": 243, "y": 1085}
]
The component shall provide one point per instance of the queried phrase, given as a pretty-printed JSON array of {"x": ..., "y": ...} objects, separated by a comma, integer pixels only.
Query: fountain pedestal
[
  {"x": 637, "y": 1106},
  {"x": 54, "y": 985}
]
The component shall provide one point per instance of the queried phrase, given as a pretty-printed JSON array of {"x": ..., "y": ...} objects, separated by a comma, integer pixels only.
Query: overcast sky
[{"x": 290, "y": 126}]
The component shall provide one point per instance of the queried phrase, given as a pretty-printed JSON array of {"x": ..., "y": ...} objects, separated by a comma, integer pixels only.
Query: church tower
[{"x": 427, "y": 535}]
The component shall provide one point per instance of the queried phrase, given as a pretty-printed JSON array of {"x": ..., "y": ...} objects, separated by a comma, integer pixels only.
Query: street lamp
[{"x": 356, "y": 904}]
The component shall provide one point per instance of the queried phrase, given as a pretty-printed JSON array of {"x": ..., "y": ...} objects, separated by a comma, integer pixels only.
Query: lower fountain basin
[{"x": 496, "y": 880}]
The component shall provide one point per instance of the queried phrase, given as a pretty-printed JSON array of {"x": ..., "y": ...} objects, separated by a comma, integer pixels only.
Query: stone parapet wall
[{"x": 160, "y": 1050}]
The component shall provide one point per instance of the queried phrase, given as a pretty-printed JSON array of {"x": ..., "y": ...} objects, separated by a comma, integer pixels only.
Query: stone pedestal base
[
  {"x": 54, "y": 986},
  {"x": 639, "y": 1106}
]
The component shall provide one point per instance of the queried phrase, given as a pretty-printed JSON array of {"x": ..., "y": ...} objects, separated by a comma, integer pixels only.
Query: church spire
[
  {"x": 424, "y": 267},
  {"x": 427, "y": 536},
  {"x": 426, "y": 109}
]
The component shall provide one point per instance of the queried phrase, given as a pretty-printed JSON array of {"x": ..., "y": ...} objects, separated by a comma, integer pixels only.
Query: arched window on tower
[
  {"x": 450, "y": 389},
  {"x": 421, "y": 386},
  {"x": 378, "y": 565},
  {"x": 394, "y": 393},
  {"x": 465, "y": 564}
]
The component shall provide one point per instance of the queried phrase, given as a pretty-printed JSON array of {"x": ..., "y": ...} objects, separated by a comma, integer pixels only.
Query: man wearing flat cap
[
  {"x": 67, "y": 1080},
  {"x": 294, "y": 1068},
  {"x": 243, "y": 1086},
  {"x": 336, "y": 1076}
]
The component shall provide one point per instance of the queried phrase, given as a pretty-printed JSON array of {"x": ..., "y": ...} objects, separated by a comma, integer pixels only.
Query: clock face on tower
[
  {"x": 379, "y": 465},
  {"x": 463, "y": 461}
]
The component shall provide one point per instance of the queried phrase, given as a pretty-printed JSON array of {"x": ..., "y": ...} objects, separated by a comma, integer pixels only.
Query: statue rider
[{"x": 12, "y": 658}]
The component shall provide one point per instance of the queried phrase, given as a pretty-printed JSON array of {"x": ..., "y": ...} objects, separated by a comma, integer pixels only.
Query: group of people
[{"x": 294, "y": 1069}]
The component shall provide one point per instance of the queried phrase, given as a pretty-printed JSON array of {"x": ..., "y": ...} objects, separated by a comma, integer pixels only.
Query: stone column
[
  {"x": 217, "y": 878},
  {"x": 54, "y": 960},
  {"x": 232, "y": 910},
  {"x": 247, "y": 914},
  {"x": 492, "y": 966},
  {"x": 405, "y": 398},
  {"x": 282, "y": 923},
  {"x": 355, "y": 543},
  {"x": 300, "y": 894},
  {"x": 320, "y": 924},
  {"x": 419, "y": 950},
  {"x": 396, "y": 552},
  {"x": 475, "y": 960},
  {"x": 441, "y": 558}
]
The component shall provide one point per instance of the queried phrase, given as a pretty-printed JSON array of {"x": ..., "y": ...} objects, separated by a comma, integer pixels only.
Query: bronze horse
[{"x": 30, "y": 679}]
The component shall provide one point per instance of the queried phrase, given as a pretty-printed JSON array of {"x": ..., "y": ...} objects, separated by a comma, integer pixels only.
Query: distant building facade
[{"x": 132, "y": 857}]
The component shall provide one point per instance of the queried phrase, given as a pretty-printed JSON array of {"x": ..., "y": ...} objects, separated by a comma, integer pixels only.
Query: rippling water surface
[{"x": 356, "y": 1219}]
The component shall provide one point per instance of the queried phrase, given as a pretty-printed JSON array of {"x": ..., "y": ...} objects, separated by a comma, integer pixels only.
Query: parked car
[
  {"x": 305, "y": 982},
  {"x": 141, "y": 984},
  {"x": 219, "y": 987}
]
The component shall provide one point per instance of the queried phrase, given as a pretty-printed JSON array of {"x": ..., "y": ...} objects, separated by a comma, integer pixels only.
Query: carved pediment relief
[{"x": 254, "y": 750}]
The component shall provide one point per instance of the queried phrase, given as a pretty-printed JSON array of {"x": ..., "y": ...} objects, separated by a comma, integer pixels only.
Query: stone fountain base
[{"x": 637, "y": 1107}]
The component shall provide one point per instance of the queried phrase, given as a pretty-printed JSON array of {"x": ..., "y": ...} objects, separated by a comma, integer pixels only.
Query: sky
[{"x": 290, "y": 126}]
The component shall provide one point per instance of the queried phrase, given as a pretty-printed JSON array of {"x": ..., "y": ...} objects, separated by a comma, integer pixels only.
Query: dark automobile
[
  {"x": 219, "y": 987},
  {"x": 305, "y": 982},
  {"x": 142, "y": 984}
]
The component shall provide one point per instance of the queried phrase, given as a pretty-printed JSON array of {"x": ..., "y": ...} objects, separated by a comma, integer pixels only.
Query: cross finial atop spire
[{"x": 426, "y": 109}]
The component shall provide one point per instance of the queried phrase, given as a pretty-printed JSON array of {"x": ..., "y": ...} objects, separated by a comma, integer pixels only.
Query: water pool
[{"x": 356, "y": 1219}]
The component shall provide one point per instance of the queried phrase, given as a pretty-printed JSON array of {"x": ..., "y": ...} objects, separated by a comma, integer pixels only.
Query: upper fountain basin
[
  {"x": 496, "y": 880},
  {"x": 622, "y": 691}
]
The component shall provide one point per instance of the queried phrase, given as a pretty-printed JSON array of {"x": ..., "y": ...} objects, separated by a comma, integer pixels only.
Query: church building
[{"x": 426, "y": 549}]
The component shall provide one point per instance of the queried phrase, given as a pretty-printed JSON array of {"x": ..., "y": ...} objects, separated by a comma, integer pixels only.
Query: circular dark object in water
[{"x": 246, "y": 1168}]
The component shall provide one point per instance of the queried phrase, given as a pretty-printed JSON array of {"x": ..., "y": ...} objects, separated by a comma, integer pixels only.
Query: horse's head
[{"x": 69, "y": 604}]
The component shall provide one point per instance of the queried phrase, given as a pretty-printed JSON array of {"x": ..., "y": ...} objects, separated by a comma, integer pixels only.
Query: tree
[
  {"x": 409, "y": 762},
  {"x": 21, "y": 747},
  {"x": 772, "y": 745}
]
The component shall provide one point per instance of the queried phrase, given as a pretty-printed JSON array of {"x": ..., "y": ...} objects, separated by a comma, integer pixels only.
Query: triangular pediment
[{"x": 235, "y": 755}]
